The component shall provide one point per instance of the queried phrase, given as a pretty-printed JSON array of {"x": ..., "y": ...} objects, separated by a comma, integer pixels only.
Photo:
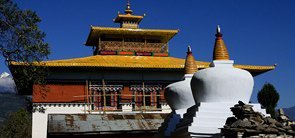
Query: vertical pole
[
  {"x": 90, "y": 99},
  {"x": 104, "y": 95},
  {"x": 87, "y": 98},
  {"x": 123, "y": 43},
  {"x": 135, "y": 99},
  {"x": 144, "y": 41},
  {"x": 143, "y": 94},
  {"x": 99, "y": 45},
  {"x": 167, "y": 44}
]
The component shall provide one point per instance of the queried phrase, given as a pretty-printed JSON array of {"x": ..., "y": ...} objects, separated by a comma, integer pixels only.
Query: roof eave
[{"x": 94, "y": 34}]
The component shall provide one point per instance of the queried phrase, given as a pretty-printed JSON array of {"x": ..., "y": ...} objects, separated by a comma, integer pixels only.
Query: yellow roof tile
[{"x": 146, "y": 62}]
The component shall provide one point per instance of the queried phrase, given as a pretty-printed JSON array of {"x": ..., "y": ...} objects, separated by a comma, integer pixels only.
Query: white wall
[{"x": 40, "y": 120}]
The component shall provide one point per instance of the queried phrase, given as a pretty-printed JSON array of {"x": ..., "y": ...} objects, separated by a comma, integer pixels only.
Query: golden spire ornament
[
  {"x": 190, "y": 63},
  {"x": 220, "y": 50},
  {"x": 128, "y": 8}
]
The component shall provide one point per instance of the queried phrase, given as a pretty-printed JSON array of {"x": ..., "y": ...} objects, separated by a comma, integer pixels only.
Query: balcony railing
[{"x": 132, "y": 46}]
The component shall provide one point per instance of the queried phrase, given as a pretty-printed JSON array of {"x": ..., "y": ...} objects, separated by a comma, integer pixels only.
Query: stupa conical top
[
  {"x": 220, "y": 50},
  {"x": 190, "y": 63}
]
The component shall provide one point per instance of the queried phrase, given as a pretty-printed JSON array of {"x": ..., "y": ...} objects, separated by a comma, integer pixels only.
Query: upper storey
[
  {"x": 129, "y": 39},
  {"x": 128, "y": 20}
]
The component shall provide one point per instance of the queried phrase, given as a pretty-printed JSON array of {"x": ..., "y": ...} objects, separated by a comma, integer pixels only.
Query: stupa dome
[
  {"x": 222, "y": 82},
  {"x": 179, "y": 95}
]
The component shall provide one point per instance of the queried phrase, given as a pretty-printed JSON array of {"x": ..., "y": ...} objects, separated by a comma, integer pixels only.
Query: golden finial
[
  {"x": 220, "y": 50},
  {"x": 128, "y": 8},
  {"x": 190, "y": 63}
]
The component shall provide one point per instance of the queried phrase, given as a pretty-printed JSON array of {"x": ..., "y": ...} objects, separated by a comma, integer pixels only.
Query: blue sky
[{"x": 255, "y": 32}]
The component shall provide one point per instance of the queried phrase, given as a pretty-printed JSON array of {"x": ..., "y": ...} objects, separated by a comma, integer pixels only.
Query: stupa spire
[
  {"x": 128, "y": 8},
  {"x": 190, "y": 63},
  {"x": 220, "y": 50}
]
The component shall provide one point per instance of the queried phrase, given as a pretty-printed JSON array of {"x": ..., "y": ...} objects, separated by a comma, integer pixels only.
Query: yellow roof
[
  {"x": 131, "y": 17},
  {"x": 141, "y": 62},
  {"x": 96, "y": 31}
]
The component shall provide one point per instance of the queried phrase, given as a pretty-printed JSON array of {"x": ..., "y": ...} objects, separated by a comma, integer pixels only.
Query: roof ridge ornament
[
  {"x": 220, "y": 50},
  {"x": 128, "y": 8}
]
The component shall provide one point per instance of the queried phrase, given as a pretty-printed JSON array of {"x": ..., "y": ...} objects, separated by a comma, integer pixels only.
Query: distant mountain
[
  {"x": 7, "y": 84},
  {"x": 290, "y": 112}
]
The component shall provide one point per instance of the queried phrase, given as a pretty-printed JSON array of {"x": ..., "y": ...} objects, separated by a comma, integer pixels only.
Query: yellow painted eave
[{"x": 143, "y": 62}]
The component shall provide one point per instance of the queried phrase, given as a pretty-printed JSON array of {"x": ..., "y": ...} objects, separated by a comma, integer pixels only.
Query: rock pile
[
  {"x": 281, "y": 117},
  {"x": 248, "y": 123}
]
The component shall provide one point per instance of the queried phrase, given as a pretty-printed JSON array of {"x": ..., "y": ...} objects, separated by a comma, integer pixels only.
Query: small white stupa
[
  {"x": 215, "y": 90},
  {"x": 179, "y": 96}
]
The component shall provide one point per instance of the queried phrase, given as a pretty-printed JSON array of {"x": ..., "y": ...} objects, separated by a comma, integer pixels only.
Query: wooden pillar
[
  {"x": 86, "y": 92},
  {"x": 123, "y": 43},
  {"x": 99, "y": 45},
  {"x": 167, "y": 45},
  {"x": 115, "y": 100},
  {"x": 143, "y": 94},
  {"x": 145, "y": 41}
]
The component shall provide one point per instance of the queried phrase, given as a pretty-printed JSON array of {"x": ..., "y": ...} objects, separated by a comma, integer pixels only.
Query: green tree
[
  {"x": 17, "y": 125},
  {"x": 21, "y": 40},
  {"x": 268, "y": 97}
]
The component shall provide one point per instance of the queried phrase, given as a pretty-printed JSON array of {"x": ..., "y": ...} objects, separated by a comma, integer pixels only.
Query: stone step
[
  {"x": 212, "y": 114},
  {"x": 213, "y": 104},
  {"x": 209, "y": 122},
  {"x": 203, "y": 130},
  {"x": 215, "y": 108}
]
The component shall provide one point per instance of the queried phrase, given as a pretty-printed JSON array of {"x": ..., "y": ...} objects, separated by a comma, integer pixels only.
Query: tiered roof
[
  {"x": 131, "y": 61},
  {"x": 136, "y": 62},
  {"x": 96, "y": 31}
]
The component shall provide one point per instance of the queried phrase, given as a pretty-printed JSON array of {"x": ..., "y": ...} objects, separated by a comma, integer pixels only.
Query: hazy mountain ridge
[
  {"x": 290, "y": 112},
  {"x": 10, "y": 102}
]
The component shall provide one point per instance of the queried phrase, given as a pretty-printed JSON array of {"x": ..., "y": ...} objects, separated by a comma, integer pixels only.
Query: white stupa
[
  {"x": 179, "y": 96},
  {"x": 215, "y": 90},
  {"x": 222, "y": 82}
]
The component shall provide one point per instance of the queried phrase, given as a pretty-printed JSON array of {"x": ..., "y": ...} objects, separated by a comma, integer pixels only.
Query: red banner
[
  {"x": 161, "y": 54},
  {"x": 108, "y": 53},
  {"x": 125, "y": 53},
  {"x": 143, "y": 54}
]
